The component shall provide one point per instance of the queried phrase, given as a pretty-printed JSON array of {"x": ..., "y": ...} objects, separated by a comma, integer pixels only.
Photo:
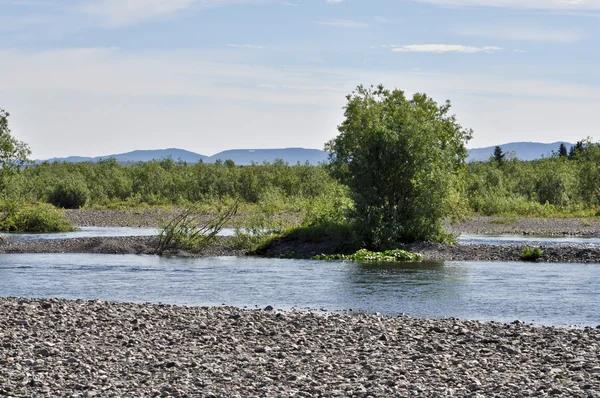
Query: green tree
[
  {"x": 499, "y": 155},
  {"x": 562, "y": 150},
  {"x": 13, "y": 153},
  {"x": 403, "y": 161},
  {"x": 576, "y": 150}
]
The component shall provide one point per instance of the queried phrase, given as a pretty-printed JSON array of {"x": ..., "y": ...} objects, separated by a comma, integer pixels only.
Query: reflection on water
[{"x": 558, "y": 294}]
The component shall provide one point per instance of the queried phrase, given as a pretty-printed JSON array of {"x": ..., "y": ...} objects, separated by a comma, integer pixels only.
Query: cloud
[
  {"x": 520, "y": 4},
  {"x": 521, "y": 33},
  {"x": 344, "y": 23},
  {"x": 125, "y": 12},
  {"x": 247, "y": 46},
  {"x": 443, "y": 48},
  {"x": 104, "y": 100},
  {"x": 333, "y": 1}
]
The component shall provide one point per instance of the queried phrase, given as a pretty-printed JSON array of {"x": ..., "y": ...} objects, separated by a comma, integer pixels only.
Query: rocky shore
[
  {"x": 225, "y": 246},
  {"x": 222, "y": 246},
  {"x": 55, "y": 347}
]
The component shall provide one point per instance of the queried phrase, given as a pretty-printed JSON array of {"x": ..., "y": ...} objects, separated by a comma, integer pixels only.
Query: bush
[
  {"x": 531, "y": 253},
  {"x": 403, "y": 161},
  {"x": 365, "y": 255},
  {"x": 36, "y": 218},
  {"x": 69, "y": 193},
  {"x": 187, "y": 231}
]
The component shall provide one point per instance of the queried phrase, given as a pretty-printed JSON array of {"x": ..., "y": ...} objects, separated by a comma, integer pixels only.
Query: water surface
[{"x": 550, "y": 294}]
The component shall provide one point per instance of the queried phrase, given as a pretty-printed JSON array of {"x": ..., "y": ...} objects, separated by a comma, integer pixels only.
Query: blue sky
[{"x": 95, "y": 77}]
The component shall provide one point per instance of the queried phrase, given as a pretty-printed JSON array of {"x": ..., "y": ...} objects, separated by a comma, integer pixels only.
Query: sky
[{"x": 100, "y": 77}]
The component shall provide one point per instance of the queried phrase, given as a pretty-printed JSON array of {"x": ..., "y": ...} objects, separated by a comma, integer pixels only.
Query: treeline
[
  {"x": 504, "y": 185},
  {"x": 163, "y": 182},
  {"x": 566, "y": 183}
]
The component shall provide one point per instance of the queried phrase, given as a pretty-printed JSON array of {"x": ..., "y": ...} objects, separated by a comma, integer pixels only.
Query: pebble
[{"x": 313, "y": 354}]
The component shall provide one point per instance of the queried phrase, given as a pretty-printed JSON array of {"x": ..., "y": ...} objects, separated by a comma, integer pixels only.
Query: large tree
[
  {"x": 13, "y": 153},
  {"x": 403, "y": 160}
]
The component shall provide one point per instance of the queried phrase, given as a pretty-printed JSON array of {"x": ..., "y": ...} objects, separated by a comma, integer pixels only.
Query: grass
[{"x": 531, "y": 253}]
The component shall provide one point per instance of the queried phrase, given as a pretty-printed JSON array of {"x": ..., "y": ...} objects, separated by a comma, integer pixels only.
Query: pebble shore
[{"x": 62, "y": 348}]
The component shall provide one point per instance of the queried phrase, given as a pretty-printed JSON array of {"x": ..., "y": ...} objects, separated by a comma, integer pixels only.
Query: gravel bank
[
  {"x": 528, "y": 226},
  {"x": 222, "y": 246},
  {"x": 82, "y": 348}
]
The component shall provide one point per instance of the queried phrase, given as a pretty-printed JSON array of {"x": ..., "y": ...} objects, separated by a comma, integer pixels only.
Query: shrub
[
  {"x": 531, "y": 253},
  {"x": 37, "y": 218},
  {"x": 187, "y": 231},
  {"x": 70, "y": 193},
  {"x": 365, "y": 255}
]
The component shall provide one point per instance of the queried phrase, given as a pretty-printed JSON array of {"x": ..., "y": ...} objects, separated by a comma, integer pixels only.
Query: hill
[
  {"x": 522, "y": 150},
  {"x": 244, "y": 157},
  {"x": 241, "y": 157}
]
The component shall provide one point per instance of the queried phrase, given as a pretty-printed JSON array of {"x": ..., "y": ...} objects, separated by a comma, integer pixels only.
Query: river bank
[
  {"x": 55, "y": 347},
  {"x": 155, "y": 217},
  {"x": 227, "y": 246}
]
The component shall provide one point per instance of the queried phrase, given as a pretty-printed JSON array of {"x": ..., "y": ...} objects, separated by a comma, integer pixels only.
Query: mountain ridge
[{"x": 244, "y": 157}]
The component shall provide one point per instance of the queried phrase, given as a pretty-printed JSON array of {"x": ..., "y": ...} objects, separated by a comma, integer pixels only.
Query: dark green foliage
[
  {"x": 70, "y": 193},
  {"x": 403, "y": 161},
  {"x": 13, "y": 153},
  {"x": 562, "y": 151},
  {"x": 531, "y": 254},
  {"x": 576, "y": 150},
  {"x": 498, "y": 155},
  {"x": 365, "y": 255}
]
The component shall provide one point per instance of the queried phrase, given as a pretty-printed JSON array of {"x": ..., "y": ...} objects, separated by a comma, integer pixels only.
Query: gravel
[
  {"x": 222, "y": 246},
  {"x": 528, "y": 226},
  {"x": 61, "y": 348}
]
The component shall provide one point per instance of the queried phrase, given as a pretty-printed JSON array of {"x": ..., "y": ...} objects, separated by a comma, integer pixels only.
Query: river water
[{"x": 540, "y": 293}]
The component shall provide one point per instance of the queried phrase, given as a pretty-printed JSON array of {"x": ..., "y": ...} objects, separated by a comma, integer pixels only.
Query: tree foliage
[
  {"x": 13, "y": 153},
  {"x": 403, "y": 161},
  {"x": 562, "y": 150},
  {"x": 499, "y": 155}
]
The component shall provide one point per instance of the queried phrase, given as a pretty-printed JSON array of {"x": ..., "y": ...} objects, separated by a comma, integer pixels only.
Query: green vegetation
[
  {"x": 39, "y": 217},
  {"x": 557, "y": 186},
  {"x": 13, "y": 153},
  {"x": 397, "y": 171},
  {"x": 403, "y": 160},
  {"x": 189, "y": 231},
  {"x": 531, "y": 253},
  {"x": 70, "y": 193},
  {"x": 365, "y": 255}
]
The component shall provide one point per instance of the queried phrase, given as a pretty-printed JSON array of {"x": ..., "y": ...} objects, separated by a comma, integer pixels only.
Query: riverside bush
[
  {"x": 36, "y": 218},
  {"x": 70, "y": 193},
  {"x": 531, "y": 253},
  {"x": 190, "y": 230}
]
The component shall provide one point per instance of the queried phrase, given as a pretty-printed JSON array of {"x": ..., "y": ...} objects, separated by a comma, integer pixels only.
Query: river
[{"x": 540, "y": 293}]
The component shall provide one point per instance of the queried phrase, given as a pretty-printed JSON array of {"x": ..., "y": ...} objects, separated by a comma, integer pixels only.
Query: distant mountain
[
  {"x": 289, "y": 155},
  {"x": 139, "y": 156},
  {"x": 242, "y": 157},
  {"x": 522, "y": 150}
]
